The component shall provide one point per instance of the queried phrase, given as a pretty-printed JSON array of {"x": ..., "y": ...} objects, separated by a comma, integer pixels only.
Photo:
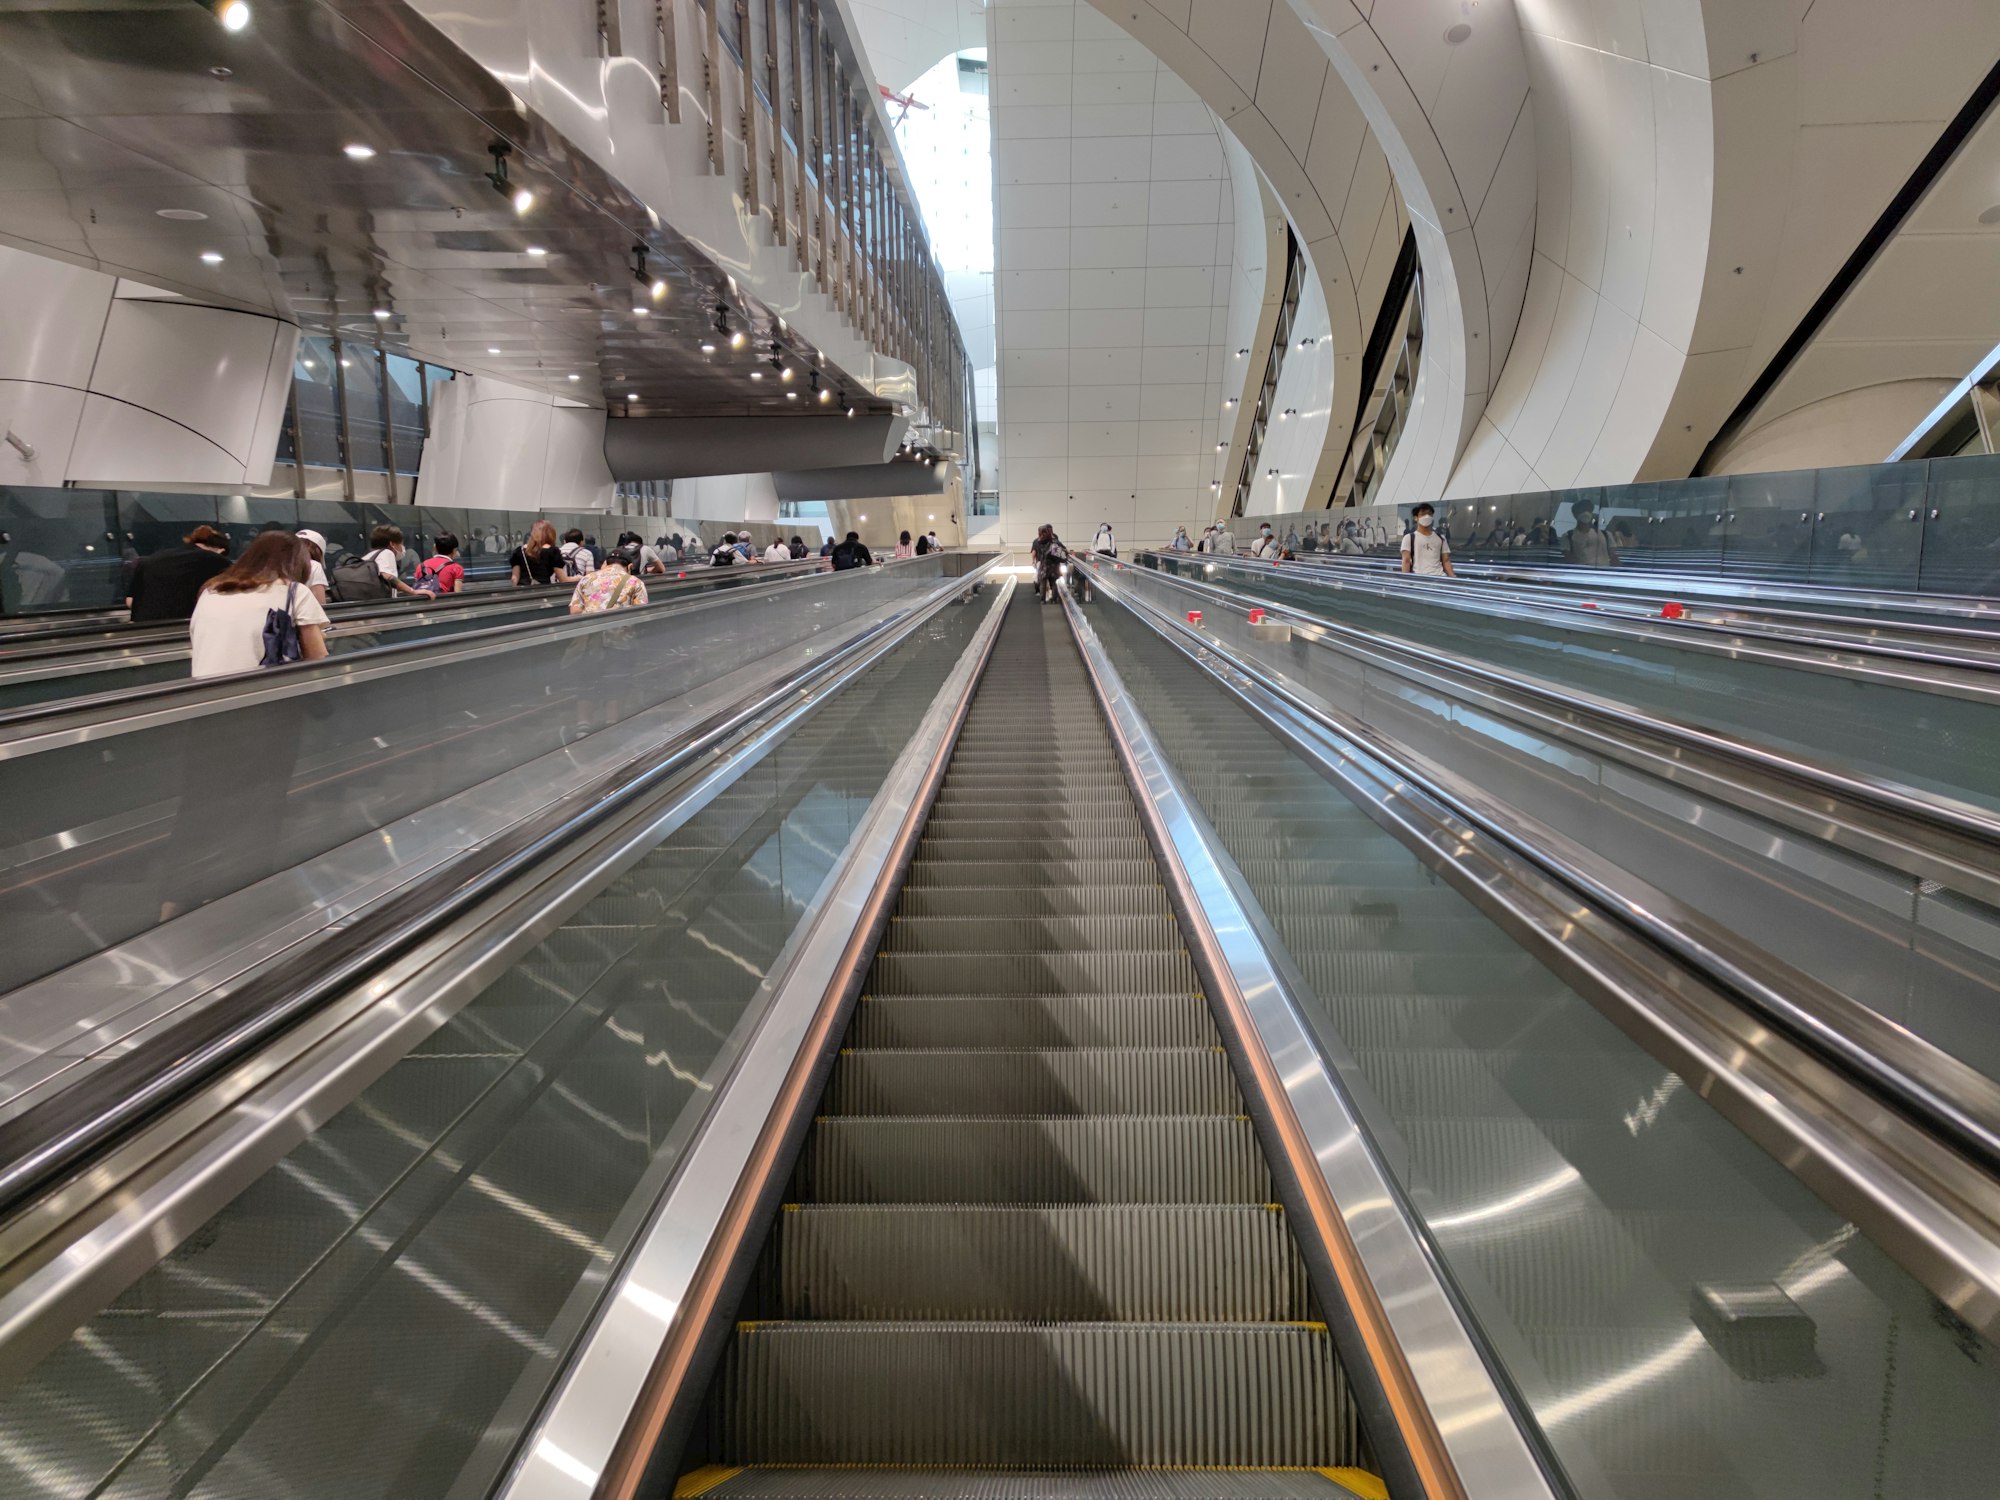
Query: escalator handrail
[
  {"x": 40, "y": 726},
  {"x": 1941, "y": 1220},
  {"x": 45, "y": 1145},
  {"x": 1776, "y": 593},
  {"x": 1925, "y": 818},
  {"x": 1692, "y": 637},
  {"x": 1631, "y": 591},
  {"x": 1945, "y": 1095},
  {"x": 1413, "y": 1335},
  {"x": 710, "y": 1214},
  {"x": 166, "y": 642}
]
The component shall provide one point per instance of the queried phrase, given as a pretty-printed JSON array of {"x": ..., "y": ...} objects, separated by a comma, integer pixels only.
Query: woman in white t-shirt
[
  {"x": 316, "y": 544},
  {"x": 227, "y": 631}
]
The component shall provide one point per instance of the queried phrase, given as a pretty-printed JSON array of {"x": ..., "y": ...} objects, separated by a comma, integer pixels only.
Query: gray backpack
[{"x": 353, "y": 579}]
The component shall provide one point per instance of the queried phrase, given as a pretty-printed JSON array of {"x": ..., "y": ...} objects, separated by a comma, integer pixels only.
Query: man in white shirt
[
  {"x": 1424, "y": 551},
  {"x": 1225, "y": 541},
  {"x": 1266, "y": 545}
]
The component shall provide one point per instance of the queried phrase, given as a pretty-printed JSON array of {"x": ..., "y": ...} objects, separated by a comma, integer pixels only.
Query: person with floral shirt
[{"x": 611, "y": 586}]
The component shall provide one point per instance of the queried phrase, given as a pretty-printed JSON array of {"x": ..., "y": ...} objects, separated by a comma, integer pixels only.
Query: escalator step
[
  {"x": 857, "y": 1482},
  {"x": 913, "y": 934},
  {"x": 1124, "y": 1263},
  {"x": 1024, "y": 843},
  {"x": 1125, "y": 1159},
  {"x": 1148, "y": 971},
  {"x": 1041, "y": 1082},
  {"x": 1034, "y": 901},
  {"x": 1032, "y": 1021},
  {"x": 1139, "y": 871},
  {"x": 1138, "y": 1394}
]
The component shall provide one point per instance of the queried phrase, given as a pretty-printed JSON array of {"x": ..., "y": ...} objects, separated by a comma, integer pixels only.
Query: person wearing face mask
[
  {"x": 1266, "y": 545},
  {"x": 1180, "y": 543},
  {"x": 1425, "y": 552}
]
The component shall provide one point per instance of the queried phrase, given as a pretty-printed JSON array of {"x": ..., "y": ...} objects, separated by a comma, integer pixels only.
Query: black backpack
[{"x": 353, "y": 579}]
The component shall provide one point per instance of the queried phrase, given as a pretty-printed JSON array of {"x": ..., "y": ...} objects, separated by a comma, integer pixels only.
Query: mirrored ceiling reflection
[{"x": 393, "y": 194}]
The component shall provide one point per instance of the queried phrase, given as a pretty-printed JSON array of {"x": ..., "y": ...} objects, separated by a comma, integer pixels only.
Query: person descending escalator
[
  {"x": 725, "y": 554},
  {"x": 852, "y": 553},
  {"x": 1106, "y": 542}
]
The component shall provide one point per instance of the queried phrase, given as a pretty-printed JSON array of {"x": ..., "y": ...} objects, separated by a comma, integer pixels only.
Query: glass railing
[
  {"x": 1675, "y": 1313},
  {"x": 70, "y": 549},
  {"x": 128, "y": 814},
  {"x": 1927, "y": 527},
  {"x": 1929, "y": 730},
  {"x": 378, "y": 1314}
]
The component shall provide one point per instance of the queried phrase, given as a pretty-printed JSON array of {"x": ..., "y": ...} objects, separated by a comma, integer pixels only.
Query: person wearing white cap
[{"x": 317, "y": 582}]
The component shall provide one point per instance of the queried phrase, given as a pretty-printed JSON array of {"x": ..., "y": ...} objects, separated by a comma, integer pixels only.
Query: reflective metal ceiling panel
[{"x": 111, "y": 114}]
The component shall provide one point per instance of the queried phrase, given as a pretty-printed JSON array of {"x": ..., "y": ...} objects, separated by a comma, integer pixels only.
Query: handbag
[{"x": 281, "y": 633}]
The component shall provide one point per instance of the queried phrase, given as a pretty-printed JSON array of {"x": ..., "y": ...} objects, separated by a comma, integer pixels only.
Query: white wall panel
[
  {"x": 1110, "y": 288},
  {"x": 45, "y": 417},
  {"x": 51, "y": 316}
]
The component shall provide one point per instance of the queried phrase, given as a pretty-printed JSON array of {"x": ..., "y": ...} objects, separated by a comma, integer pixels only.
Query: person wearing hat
[{"x": 317, "y": 581}]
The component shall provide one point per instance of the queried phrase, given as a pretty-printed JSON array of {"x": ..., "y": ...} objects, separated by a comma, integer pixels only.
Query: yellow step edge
[
  {"x": 1367, "y": 1486},
  {"x": 701, "y": 1481}
]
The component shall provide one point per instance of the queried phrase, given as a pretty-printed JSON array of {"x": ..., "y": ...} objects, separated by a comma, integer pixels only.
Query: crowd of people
[{"x": 268, "y": 607}]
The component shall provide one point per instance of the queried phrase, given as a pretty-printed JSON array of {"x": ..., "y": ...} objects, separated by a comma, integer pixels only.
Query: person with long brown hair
[
  {"x": 539, "y": 560},
  {"x": 227, "y": 631}
]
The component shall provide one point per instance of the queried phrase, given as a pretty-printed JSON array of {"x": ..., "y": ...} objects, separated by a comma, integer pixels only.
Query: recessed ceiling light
[
  {"x": 308, "y": 364},
  {"x": 492, "y": 351},
  {"x": 233, "y": 14},
  {"x": 756, "y": 374},
  {"x": 382, "y": 312},
  {"x": 642, "y": 312},
  {"x": 181, "y": 215},
  {"x": 707, "y": 347},
  {"x": 791, "y": 395},
  {"x": 358, "y": 151},
  {"x": 631, "y": 395},
  {"x": 536, "y": 250},
  {"x": 576, "y": 377},
  {"x": 211, "y": 258},
  {"x": 347, "y": 364}
]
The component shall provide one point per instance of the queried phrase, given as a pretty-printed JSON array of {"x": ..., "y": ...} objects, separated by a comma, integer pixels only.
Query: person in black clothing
[
  {"x": 166, "y": 585},
  {"x": 851, "y": 554},
  {"x": 797, "y": 547},
  {"x": 539, "y": 560}
]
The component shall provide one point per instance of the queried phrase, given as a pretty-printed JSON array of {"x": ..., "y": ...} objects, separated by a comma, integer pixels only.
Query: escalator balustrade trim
[{"x": 1031, "y": 1249}]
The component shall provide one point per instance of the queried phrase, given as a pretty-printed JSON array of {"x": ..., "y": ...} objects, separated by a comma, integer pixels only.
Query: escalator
[
  {"x": 1032, "y": 1086},
  {"x": 67, "y": 663},
  {"x": 909, "y": 1107}
]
